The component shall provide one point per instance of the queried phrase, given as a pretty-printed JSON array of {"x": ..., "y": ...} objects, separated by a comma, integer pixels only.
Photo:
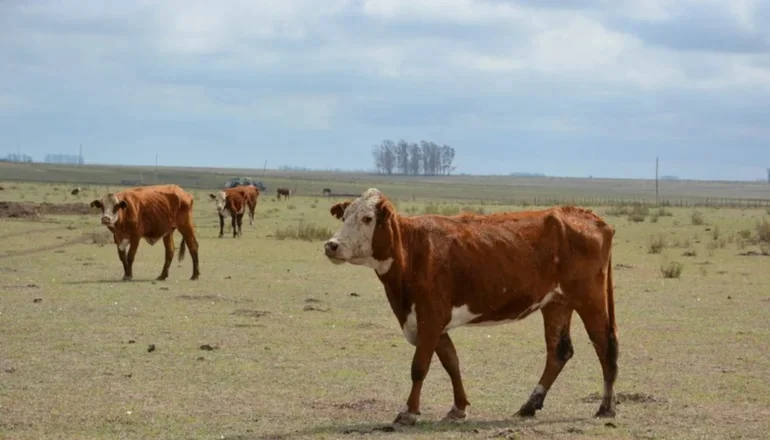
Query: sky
[{"x": 578, "y": 88}]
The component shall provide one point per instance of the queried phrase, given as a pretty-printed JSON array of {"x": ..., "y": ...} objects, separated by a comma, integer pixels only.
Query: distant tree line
[
  {"x": 18, "y": 158},
  {"x": 70, "y": 159},
  {"x": 426, "y": 158}
]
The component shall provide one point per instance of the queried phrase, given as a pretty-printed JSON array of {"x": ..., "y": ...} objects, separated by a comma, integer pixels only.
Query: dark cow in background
[
  {"x": 285, "y": 192},
  {"x": 441, "y": 273},
  {"x": 153, "y": 213},
  {"x": 75, "y": 191},
  {"x": 232, "y": 202},
  {"x": 327, "y": 191}
]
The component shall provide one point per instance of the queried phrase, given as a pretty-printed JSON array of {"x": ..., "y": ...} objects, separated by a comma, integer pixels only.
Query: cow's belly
[{"x": 515, "y": 310}]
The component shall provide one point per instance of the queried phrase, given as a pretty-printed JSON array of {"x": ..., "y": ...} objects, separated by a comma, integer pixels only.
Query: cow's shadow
[
  {"x": 513, "y": 424},
  {"x": 111, "y": 281}
]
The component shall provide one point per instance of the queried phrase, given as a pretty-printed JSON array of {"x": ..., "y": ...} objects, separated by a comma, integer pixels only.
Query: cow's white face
[
  {"x": 219, "y": 199},
  {"x": 352, "y": 243},
  {"x": 110, "y": 206}
]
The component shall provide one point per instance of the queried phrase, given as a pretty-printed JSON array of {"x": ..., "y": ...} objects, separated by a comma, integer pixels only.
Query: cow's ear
[
  {"x": 385, "y": 210},
  {"x": 122, "y": 204},
  {"x": 339, "y": 209},
  {"x": 212, "y": 196},
  {"x": 96, "y": 204}
]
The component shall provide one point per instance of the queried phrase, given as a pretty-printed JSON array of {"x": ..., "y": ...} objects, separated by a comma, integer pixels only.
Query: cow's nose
[
  {"x": 105, "y": 220},
  {"x": 330, "y": 248}
]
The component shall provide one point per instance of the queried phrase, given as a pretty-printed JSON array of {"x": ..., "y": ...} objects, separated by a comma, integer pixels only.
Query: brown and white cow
[
  {"x": 232, "y": 202},
  {"x": 285, "y": 192},
  {"x": 441, "y": 273},
  {"x": 153, "y": 213}
]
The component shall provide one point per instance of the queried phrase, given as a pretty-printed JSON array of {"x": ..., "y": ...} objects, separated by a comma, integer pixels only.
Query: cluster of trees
[
  {"x": 19, "y": 158},
  {"x": 71, "y": 159},
  {"x": 426, "y": 158}
]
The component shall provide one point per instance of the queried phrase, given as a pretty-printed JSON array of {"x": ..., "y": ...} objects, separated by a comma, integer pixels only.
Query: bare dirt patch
[
  {"x": 249, "y": 313},
  {"x": 36, "y": 210}
]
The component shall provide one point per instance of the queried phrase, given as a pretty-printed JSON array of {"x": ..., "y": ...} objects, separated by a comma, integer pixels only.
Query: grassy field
[{"x": 273, "y": 341}]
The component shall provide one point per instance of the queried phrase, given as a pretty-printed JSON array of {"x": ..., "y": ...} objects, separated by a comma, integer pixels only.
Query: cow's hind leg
[
  {"x": 168, "y": 243},
  {"x": 603, "y": 335},
  {"x": 557, "y": 318},
  {"x": 188, "y": 235},
  {"x": 448, "y": 356}
]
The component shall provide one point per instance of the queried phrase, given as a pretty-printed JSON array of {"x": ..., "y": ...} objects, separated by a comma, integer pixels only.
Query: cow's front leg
[
  {"x": 134, "y": 244},
  {"x": 234, "y": 224},
  {"x": 221, "y": 226},
  {"x": 427, "y": 340},
  {"x": 240, "y": 224},
  {"x": 122, "y": 256},
  {"x": 448, "y": 356}
]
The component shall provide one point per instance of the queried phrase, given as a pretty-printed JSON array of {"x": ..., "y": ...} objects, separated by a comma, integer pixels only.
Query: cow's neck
[{"x": 396, "y": 280}]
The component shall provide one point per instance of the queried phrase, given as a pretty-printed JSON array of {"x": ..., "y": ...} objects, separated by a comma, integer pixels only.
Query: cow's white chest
[
  {"x": 410, "y": 327},
  {"x": 123, "y": 245}
]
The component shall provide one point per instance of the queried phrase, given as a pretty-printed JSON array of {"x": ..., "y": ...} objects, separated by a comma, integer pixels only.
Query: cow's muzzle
[
  {"x": 330, "y": 250},
  {"x": 106, "y": 221}
]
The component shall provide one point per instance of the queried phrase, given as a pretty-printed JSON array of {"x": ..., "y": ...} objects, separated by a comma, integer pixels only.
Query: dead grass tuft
[
  {"x": 303, "y": 230},
  {"x": 672, "y": 269}
]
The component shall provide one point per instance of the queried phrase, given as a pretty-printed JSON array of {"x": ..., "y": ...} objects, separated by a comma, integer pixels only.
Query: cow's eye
[{"x": 367, "y": 219}]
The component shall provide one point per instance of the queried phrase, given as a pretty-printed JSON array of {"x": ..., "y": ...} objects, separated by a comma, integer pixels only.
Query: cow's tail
[
  {"x": 182, "y": 249},
  {"x": 613, "y": 351},
  {"x": 183, "y": 246},
  {"x": 611, "y": 297}
]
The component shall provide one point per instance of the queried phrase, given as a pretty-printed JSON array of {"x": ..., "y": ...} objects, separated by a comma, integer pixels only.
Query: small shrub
[
  {"x": 313, "y": 205},
  {"x": 450, "y": 210},
  {"x": 291, "y": 206},
  {"x": 663, "y": 212},
  {"x": 654, "y": 218},
  {"x": 636, "y": 218},
  {"x": 477, "y": 210},
  {"x": 715, "y": 233},
  {"x": 99, "y": 237},
  {"x": 697, "y": 218},
  {"x": 763, "y": 231},
  {"x": 690, "y": 253},
  {"x": 617, "y": 211},
  {"x": 672, "y": 270},
  {"x": 303, "y": 231},
  {"x": 764, "y": 248},
  {"x": 744, "y": 234},
  {"x": 656, "y": 244}
]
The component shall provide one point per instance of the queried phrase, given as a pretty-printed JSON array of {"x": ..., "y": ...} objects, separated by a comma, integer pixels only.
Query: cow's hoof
[
  {"x": 161, "y": 278},
  {"x": 126, "y": 278},
  {"x": 455, "y": 415},
  {"x": 605, "y": 412},
  {"x": 405, "y": 419},
  {"x": 526, "y": 411},
  {"x": 194, "y": 277}
]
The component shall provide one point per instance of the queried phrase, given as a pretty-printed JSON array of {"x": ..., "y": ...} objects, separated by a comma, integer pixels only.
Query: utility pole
[{"x": 657, "y": 192}]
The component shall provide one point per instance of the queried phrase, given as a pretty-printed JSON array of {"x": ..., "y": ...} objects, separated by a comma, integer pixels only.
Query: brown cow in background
[
  {"x": 153, "y": 213},
  {"x": 251, "y": 195},
  {"x": 441, "y": 273}
]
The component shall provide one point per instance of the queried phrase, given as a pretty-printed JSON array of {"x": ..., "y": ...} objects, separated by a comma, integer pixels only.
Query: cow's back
[
  {"x": 155, "y": 209},
  {"x": 547, "y": 245}
]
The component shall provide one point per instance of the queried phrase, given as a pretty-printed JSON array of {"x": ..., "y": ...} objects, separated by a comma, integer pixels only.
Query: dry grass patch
[{"x": 303, "y": 230}]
